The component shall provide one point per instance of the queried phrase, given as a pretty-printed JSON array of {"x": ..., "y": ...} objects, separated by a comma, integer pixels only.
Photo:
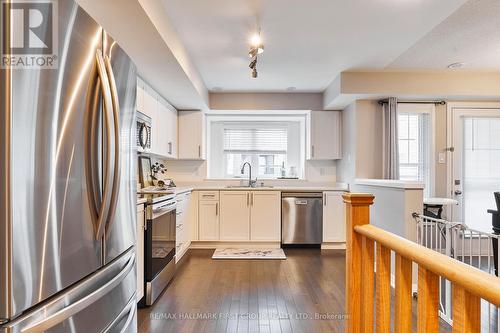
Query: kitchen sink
[{"x": 247, "y": 187}]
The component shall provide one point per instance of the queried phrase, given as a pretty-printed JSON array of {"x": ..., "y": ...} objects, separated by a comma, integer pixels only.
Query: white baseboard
[
  {"x": 247, "y": 245},
  {"x": 333, "y": 246}
]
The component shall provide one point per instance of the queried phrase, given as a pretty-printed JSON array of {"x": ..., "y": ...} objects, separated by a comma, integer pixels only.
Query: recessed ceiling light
[
  {"x": 456, "y": 65},
  {"x": 291, "y": 89},
  {"x": 217, "y": 89}
]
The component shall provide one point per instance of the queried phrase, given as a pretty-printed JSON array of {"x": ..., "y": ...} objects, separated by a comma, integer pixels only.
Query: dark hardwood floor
[{"x": 304, "y": 293}]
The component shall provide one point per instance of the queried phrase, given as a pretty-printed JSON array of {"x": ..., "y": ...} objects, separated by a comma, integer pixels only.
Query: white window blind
[
  {"x": 415, "y": 138},
  {"x": 255, "y": 140}
]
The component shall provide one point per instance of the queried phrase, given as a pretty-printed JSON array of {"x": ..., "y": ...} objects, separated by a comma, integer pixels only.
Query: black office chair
[{"x": 495, "y": 221}]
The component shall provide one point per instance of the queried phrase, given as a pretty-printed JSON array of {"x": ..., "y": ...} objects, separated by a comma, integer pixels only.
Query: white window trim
[
  {"x": 258, "y": 115},
  {"x": 431, "y": 110}
]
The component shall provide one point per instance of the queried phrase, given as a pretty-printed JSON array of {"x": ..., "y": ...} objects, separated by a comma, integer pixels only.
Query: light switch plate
[{"x": 442, "y": 158}]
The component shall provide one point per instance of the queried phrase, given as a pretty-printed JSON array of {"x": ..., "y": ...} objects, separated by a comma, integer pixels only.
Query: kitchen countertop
[{"x": 282, "y": 188}]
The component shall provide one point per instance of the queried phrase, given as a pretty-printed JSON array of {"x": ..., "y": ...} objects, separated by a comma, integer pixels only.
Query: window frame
[
  {"x": 430, "y": 109},
  {"x": 285, "y": 116}
]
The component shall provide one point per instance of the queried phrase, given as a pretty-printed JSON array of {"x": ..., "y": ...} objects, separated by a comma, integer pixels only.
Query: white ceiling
[
  {"x": 470, "y": 35},
  {"x": 307, "y": 43}
]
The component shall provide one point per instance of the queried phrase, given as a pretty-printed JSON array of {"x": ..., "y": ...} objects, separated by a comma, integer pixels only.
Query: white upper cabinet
[
  {"x": 163, "y": 120},
  {"x": 191, "y": 135},
  {"x": 140, "y": 95},
  {"x": 325, "y": 135}
]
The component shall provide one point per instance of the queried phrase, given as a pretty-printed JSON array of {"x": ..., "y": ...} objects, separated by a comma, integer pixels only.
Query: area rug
[{"x": 249, "y": 254}]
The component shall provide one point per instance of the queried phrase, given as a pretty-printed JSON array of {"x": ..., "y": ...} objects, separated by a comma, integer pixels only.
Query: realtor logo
[{"x": 30, "y": 40}]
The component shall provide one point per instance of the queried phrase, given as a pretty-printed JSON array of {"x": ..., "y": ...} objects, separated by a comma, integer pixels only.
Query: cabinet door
[
  {"x": 139, "y": 247},
  {"x": 209, "y": 220},
  {"x": 191, "y": 135},
  {"x": 334, "y": 228},
  {"x": 325, "y": 135},
  {"x": 162, "y": 130},
  {"x": 265, "y": 220},
  {"x": 234, "y": 215},
  {"x": 172, "y": 132},
  {"x": 140, "y": 96}
]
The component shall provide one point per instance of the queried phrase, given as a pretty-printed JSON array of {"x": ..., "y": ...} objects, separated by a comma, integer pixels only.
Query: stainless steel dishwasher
[{"x": 301, "y": 218}]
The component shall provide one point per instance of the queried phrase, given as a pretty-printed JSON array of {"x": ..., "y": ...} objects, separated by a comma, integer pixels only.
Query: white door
[
  {"x": 475, "y": 165},
  {"x": 234, "y": 215},
  {"x": 209, "y": 220},
  {"x": 265, "y": 221}
]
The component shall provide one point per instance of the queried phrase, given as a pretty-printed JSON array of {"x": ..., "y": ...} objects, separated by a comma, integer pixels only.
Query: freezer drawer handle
[
  {"x": 129, "y": 311},
  {"x": 83, "y": 303}
]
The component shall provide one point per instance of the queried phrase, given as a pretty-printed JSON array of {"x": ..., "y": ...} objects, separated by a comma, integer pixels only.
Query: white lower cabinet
[
  {"x": 250, "y": 215},
  {"x": 184, "y": 221},
  {"x": 334, "y": 229},
  {"x": 265, "y": 222},
  {"x": 139, "y": 247},
  {"x": 208, "y": 220},
  {"x": 234, "y": 215}
]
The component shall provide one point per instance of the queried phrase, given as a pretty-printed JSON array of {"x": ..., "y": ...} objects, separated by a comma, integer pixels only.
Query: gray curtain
[{"x": 390, "y": 132}]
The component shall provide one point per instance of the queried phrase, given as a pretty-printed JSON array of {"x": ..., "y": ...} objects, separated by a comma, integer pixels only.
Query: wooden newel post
[{"x": 357, "y": 208}]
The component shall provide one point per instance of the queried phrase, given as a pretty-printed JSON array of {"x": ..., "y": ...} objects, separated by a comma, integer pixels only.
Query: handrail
[
  {"x": 481, "y": 284},
  {"x": 368, "y": 290}
]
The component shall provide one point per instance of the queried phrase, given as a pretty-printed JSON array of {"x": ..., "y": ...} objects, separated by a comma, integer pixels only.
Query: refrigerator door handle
[
  {"x": 116, "y": 131},
  {"x": 81, "y": 304},
  {"x": 108, "y": 120}
]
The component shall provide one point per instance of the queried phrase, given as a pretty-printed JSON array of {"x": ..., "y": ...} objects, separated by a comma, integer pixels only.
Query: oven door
[{"x": 159, "y": 240}]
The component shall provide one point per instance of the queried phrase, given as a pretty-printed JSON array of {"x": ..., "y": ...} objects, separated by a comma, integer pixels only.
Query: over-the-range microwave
[{"x": 143, "y": 141}]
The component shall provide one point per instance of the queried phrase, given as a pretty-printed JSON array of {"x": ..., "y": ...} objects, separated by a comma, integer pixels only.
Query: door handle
[
  {"x": 83, "y": 303},
  {"x": 116, "y": 132},
  {"x": 108, "y": 164},
  {"x": 143, "y": 128},
  {"x": 458, "y": 192}
]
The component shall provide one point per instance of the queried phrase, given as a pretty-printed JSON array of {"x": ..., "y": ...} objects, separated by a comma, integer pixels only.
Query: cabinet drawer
[{"x": 209, "y": 195}]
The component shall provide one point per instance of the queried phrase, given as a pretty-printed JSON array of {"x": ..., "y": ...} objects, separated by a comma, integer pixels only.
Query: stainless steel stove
[{"x": 159, "y": 242}]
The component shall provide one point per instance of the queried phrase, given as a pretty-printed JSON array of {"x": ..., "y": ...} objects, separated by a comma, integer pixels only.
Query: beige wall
[
  {"x": 266, "y": 101},
  {"x": 440, "y": 170},
  {"x": 361, "y": 141}
]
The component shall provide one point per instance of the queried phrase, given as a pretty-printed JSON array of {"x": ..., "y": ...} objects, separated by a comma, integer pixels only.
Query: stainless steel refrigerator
[{"x": 68, "y": 186}]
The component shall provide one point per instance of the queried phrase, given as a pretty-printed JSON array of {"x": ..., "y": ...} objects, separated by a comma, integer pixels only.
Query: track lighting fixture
[{"x": 256, "y": 48}]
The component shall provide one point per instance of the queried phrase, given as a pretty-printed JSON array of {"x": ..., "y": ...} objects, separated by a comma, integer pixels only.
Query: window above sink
[{"x": 267, "y": 142}]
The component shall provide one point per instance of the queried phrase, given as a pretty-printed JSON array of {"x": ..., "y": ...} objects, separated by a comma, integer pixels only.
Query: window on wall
[
  {"x": 415, "y": 144},
  {"x": 267, "y": 144}
]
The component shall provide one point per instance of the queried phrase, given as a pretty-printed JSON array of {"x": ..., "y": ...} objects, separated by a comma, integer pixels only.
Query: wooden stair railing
[{"x": 470, "y": 285}]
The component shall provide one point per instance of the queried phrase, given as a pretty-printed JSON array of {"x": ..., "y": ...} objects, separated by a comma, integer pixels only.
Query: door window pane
[{"x": 481, "y": 174}]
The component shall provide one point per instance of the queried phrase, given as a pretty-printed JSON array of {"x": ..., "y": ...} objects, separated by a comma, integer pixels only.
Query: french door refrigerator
[{"x": 67, "y": 186}]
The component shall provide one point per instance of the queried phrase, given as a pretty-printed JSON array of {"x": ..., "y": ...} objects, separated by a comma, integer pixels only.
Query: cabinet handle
[
  {"x": 248, "y": 199},
  {"x": 199, "y": 151},
  {"x": 312, "y": 151},
  {"x": 216, "y": 208},
  {"x": 324, "y": 199},
  {"x": 251, "y": 199},
  {"x": 170, "y": 148}
]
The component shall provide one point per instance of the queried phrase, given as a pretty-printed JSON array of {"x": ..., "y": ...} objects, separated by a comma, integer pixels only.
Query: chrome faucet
[{"x": 251, "y": 183}]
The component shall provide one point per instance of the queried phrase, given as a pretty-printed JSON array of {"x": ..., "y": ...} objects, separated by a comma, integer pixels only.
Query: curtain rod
[{"x": 384, "y": 101}]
